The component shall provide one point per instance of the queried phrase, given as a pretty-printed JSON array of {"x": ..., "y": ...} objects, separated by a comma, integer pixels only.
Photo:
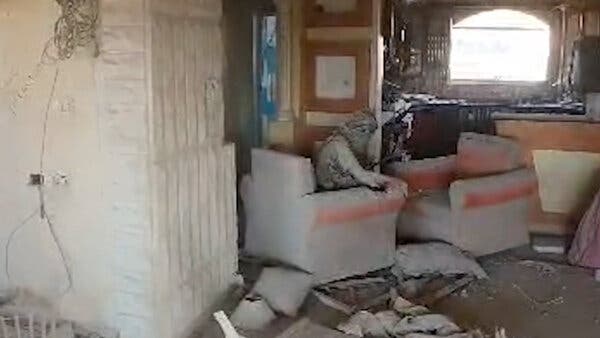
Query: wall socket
[{"x": 36, "y": 179}]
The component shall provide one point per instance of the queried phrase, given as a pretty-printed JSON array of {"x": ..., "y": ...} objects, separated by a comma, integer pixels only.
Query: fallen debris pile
[
  {"x": 27, "y": 315},
  {"x": 405, "y": 319},
  {"x": 278, "y": 290},
  {"x": 391, "y": 303}
]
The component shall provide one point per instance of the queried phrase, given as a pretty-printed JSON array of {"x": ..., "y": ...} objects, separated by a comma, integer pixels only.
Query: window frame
[{"x": 545, "y": 15}]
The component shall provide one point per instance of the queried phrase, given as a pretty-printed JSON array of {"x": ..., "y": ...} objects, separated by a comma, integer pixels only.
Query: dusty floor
[
  {"x": 530, "y": 303},
  {"x": 528, "y": 300}
]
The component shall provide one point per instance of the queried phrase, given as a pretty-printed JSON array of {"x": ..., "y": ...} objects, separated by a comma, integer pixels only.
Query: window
[{"x": 500, "y": 46}]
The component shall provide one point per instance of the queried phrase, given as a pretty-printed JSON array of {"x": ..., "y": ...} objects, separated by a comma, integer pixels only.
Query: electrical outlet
[{"x": 36, "y": 179}]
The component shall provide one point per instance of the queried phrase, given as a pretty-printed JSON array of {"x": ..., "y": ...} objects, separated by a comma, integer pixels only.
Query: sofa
[
  {"x": 332, "y": 234},
  {"x": 479, "y": 199}
]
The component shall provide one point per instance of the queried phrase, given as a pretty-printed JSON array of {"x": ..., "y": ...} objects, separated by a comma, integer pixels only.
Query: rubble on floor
[
  {"x": 23, "y": 314},
  {"x": 437, "y": 258},
  {"x": 388, "y": 303},
  {"x": 304, "y": 328},
  {"x": 404, "y": 319}
]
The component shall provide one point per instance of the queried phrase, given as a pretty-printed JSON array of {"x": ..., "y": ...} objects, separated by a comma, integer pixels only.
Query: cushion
[
  {"x": 482, "y": 155},
  {"x": 283, "y": 289},
  {"x": 428, "y": 174},
  {"x": 286, "y": 173}
]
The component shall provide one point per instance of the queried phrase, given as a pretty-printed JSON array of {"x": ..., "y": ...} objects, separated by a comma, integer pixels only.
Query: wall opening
[{"x": 499, "y": 46}]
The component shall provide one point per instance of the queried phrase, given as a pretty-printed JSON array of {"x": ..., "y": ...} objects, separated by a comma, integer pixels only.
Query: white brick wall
[{"x": 175, "y": 239}]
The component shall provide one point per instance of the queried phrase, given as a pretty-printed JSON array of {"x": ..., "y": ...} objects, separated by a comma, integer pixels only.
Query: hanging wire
[{"x": 74, "y": 28}]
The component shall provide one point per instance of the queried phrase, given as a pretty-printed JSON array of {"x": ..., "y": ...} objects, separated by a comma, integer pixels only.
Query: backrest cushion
[
  {"x": 291, "y": 174},
  {"x": 482, "y": 155},
  {"x": 428, "y": 174}
]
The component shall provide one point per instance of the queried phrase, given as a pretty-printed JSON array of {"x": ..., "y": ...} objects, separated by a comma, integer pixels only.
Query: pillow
[
  {"x": 284, "y": 289},
  {"x": 483, "y": 155}
]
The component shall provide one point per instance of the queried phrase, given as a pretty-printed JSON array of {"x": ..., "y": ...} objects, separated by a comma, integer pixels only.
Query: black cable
[
  {"x": 43, "y": 213},
  {"x": 22, "y": 224},
  {"x": 42, "y": 202}
]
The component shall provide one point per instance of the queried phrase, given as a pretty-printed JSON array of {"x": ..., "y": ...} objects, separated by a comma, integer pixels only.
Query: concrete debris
[
  {"x": 376, "y": 301},
  {"x": 364, "y": 324},
  {"x": 252, "y": 314},
  {"x": 406, "y": 308},
  {"x": 448, "y": 290},
  {"x": 284, "y": 290},
  {"x": 333, "y": 303},
  {"x": 304, "y": 328},
  {"x": 389, "y": 319},
  {"x": 356, "y": 282},
  {"x": 411, "y": 288},
  {"x": 416, "y": 260},
  {"x": 407, "y": 320},
  {"x": 226, "y": 326},
  {"x": 435, "y": 324}
]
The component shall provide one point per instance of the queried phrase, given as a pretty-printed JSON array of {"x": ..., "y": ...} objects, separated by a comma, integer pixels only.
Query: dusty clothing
[
  {"x": 585, "y": 250},
  {"x": 343, "y": 160}
]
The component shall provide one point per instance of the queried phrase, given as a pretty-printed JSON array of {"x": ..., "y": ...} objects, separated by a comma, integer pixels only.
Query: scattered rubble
[
  {"x": 404, "y": 320},
  {"x": 436, "y": 258},
  {"x": 24, "y": 314},
  {"x": 362, "y": 324},
  {"x": 435, "y": 324},
  {"x": 447, "y": 290},
  {"x": 373, "y": 303},
  {"x": 333, "y": 303}
]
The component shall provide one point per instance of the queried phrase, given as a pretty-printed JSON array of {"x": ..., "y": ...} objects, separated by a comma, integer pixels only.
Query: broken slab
[
  {"x": 283, "y": 289},
  {"x": 435, "y": 258},
  {"x": 432, "y": 323},
  {"x": 363, "y": 324},
  {"x": 406, "y": 308},
  {"x": 333, "y": 303},
  {"x": 389, "y": 319}
]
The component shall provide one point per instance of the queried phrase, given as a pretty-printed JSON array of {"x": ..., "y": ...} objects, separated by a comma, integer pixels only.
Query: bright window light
[{"x": 500, "y": 46}]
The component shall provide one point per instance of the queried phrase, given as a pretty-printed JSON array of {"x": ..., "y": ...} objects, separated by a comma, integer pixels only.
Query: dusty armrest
[
  {"x": 493, "y": 190},
  {"x": 429, "y": 174},
  {"x": 349, "y": 205}
]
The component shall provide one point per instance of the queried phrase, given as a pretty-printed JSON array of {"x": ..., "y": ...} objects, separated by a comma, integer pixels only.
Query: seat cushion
[
  {"x": 482, "y": 155},
  {"x": 427, "y": 216}
]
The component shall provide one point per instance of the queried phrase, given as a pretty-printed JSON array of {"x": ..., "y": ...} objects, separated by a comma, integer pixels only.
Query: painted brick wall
[{"x": 147, "y": 217}]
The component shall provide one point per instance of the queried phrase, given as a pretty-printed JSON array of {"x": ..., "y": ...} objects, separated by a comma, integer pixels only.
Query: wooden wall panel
[
  {"x": 360, "y": 51},
  {"x": 361, "y": 16},
  {"x": 553, "y": 135}
]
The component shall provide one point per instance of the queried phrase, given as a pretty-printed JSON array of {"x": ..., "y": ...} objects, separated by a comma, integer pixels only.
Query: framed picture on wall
[
  {"x": 332, "y": 13},
  {"x": 336, "y": 76}
]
